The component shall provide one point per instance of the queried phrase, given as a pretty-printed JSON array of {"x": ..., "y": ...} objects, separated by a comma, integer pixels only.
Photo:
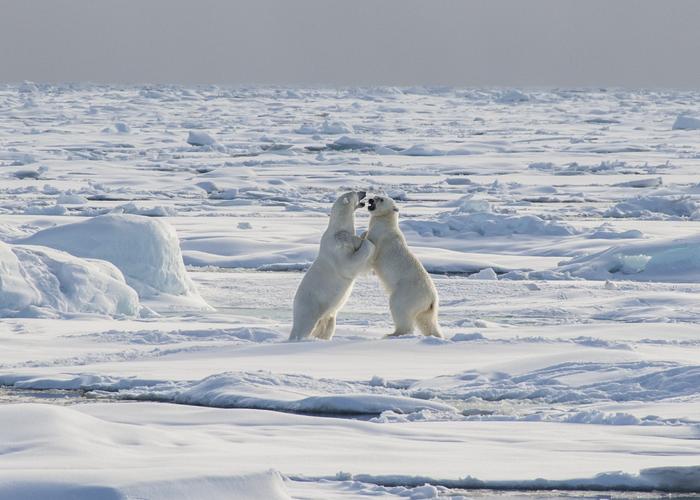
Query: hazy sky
[{"x": 633, "y": 43}]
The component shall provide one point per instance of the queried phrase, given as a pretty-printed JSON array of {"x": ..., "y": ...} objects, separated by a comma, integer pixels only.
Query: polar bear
[
  {"x": 328, "y": 282},
  {"x": 413, "y": 298}
]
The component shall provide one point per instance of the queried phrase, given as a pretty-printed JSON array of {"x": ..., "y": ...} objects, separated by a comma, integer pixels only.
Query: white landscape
[{"x": 152, "y": 239}]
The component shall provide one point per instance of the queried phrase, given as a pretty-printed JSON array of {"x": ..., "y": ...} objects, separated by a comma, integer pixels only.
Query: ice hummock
[
  {"x": 674, "y": 260},
  {"x": 40, "y": 282},
  {"x": 146, "y": 251},
  {"x": 685, "y": 122}
]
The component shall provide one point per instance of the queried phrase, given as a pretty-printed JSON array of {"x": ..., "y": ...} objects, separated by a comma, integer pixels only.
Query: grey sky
[{"x": 633, "y": 43}]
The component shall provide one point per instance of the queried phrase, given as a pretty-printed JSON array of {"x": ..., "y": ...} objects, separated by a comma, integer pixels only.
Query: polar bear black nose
[{"x": 361, "y": 194}]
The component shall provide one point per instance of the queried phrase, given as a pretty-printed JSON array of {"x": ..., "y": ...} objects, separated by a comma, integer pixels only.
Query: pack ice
[{"x": 152, "y": 238}]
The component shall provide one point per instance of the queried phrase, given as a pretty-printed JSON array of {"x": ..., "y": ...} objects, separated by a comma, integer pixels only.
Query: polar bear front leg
[
  {"x": 305, "y": 322},
  {"x": 360, "y": 260},
  {"x": 357, "y": 242}
]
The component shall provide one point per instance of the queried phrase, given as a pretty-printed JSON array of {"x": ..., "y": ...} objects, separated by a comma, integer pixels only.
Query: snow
[
  {"x": 560, "y": 226},
  {"x": 459, "y": 225},
  {"x": 36, "y": 281},
  {"x": 512, "y": 96},
  {"x": 133, "y": 449},
  {"x": 652, "y": 207},
  {"x": 676, "y": 260},
  {"x": 246, "y": 390},
  {"x": 326, "y": 128},
  {"x": 484, "y": 274},
  {"x": 145, "y": 250}
]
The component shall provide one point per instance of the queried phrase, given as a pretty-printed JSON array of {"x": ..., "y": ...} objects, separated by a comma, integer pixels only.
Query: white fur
[
  {"x": 413, "y": 298},
  {"x": 328, "y": 282}
]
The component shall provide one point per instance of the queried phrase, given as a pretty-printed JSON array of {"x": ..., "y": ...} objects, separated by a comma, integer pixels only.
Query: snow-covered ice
[
  {"x": 38, "y": 281},
  {"x": 152, "y": 238}
]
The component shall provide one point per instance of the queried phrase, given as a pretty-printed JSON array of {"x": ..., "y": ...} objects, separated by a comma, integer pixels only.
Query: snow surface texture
[{"x": 561, "y": 227}]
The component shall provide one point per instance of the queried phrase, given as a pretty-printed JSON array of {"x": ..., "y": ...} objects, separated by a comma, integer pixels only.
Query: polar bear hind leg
[
  {"x": 403, "y": 315},
  {"x": 427, "y": 322},
  {"x": 325, "y": 328}
]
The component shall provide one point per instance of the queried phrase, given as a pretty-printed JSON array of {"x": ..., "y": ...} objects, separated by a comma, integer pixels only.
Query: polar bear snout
[{"x": 360, "y": 196}]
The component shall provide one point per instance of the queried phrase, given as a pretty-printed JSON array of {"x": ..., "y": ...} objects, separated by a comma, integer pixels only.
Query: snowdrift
[
  {"x": 327, "y": 128},
  {"x": 676, "y": 261},
  {"x": 132, "y": 450},
  {"x": 464, "y": 225},
  {"x": 41, "y": 282},
  {"x": 100, "y": 454},
  {"x": 283, "y": 393},
  {"x": 231, "y": 252},
  {"x": 655, "y": 207},
  {"x": 145, "y": 250},
  {"x": 668, "y": 479},
  {"x": 253, "y": 390}
]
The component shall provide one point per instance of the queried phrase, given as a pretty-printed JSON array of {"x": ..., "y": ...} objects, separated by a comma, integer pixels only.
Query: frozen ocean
[{"x": 152, "y": 239}]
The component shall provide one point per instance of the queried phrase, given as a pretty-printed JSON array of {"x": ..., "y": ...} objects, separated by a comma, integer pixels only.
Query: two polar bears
[{"x": 343, "y": 256}]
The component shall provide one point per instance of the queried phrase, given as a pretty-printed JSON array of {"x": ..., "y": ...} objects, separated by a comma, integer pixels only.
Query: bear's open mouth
[{"x": 370, "y": 204}]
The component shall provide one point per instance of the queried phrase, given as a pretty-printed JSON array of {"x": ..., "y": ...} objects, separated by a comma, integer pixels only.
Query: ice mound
[
  {"x": 484, "y": 274},
  {"x": 676, "y": 261},
  {"x": 154, "y": 211},
  {"x": 607, "y": 232},
  {"x": 422, "y": 150},
  {"x": 43, "y": 282},
  {"x": 641, "y": 183},
  {"x": 327, "y": 128},
  {"x": 351, "y": 143},
  {"x": 69, "y": 198},
  {"x": 685, "y": 122},
  {"x": 669, "y": 479},
  {"x": 146, "y": 251},
  {"x": 511, "y": 96},
  {"x": 580, "y": 382},
  {"x": 475, "y": 218},
  {"x": 655, "y": 207},
  {"x": 196, "y": 138},
  {"x": 291, "y": 393}
]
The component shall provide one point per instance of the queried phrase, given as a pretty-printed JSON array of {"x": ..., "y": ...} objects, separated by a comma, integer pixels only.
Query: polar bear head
[
  {"x": 343, "y": 211},
  {"x": 348, "y": 202},
  {"x": 381, "y": 205}
]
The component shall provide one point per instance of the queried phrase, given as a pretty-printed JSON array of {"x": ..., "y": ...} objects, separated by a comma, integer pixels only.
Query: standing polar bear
[
  {"x": 327, "y": 284},
  {"x": 413, "y": 298}
]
